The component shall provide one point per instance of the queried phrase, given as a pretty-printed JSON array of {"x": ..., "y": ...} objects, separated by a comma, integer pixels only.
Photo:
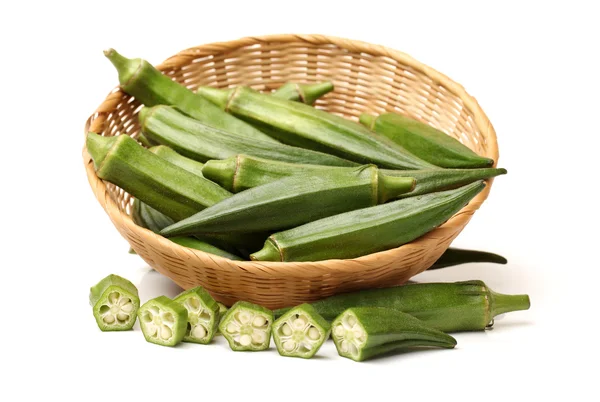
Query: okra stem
[{"x": 305, "y": 93}]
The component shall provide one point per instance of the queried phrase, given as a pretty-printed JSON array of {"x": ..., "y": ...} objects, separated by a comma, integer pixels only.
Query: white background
[{"x": 532, "y": 66}]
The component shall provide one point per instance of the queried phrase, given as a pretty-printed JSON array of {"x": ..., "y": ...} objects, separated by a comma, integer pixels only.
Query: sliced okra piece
[
  {"x": 247, "y": 326},
  {"x": 115, "y": 302},
  {"x": 300, "y": 332},
  {"x": 163, "y": 321},
  {"x": 360, "y": 333},
  {"x": 202, "y": 315},
  {"x": 222, "y": 310}
]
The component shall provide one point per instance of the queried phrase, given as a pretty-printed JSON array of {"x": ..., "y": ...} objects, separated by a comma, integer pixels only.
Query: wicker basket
[{"x": 367, "y": 78}]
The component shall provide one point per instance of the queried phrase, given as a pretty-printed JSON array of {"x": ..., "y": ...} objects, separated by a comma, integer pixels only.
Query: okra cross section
[
  {"x": 247, "y": 326},
  {"x": 300, "y": 332},
  {"x": 163, "y": 321},
  {"x": 202, "y": 315},
  {"x": 115, "y": 303},
  {"x": 364, "y": 332}
]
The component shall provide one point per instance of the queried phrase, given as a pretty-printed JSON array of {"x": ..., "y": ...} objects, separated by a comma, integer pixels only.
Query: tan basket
[{"x": 367, "y": 78}]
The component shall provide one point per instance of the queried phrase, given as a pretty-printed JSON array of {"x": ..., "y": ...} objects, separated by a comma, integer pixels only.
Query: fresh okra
[
  {"x": 115, "y": 303},
  {"x": 448, "y": 307},
  {"x": 361, "y": 333},
  {"x": 305, "y": 93},
  {"x": 247, "y": 327},
  {"x": 151, "y": 87},
  {"x": 163, "y": 321},
  {"x": 241, "y": 172},
  {"x": 202, "y": 315},
  {"x": 222, "y": 310},
  {"x": 368, "y": 230},
  {"x": 201, "y": 142},
  {"x": 304, "y": 126},
  {"x": 300, "y": 332},
  {"x": 457, "y": 256},
  {"x": 424, "y": 141},
  {"x": 295, "y": 200},
  {"x": 169, "y": 155}
]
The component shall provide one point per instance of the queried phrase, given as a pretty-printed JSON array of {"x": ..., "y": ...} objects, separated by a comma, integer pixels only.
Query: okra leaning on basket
[
  {"x": 369, "y": 230},
  {"x": 300, "y": 332},
  {"x": 115, "y": 302},
  {"x": 448, "y": 307},
  {"x": 202, "y": 315},
  {"x": 192, "y": 138},
  {"x": 163, "y": 321},
  {"x": 457, "y": 256},
  {"x": 361, "y": 333},
  {"x": 305, "y": 93},
  {"x": 140, "y": 79},
  {"x": 295, "y": 200},
  {"x": 424, "y": 141},
  {"x": 242, "y": 172},
  {"x": 304, "y": 126},
  {"x": 247, "y": 327}
]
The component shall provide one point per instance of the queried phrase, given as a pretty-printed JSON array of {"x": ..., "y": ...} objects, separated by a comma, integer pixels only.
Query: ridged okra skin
[
  {"x": 203, "y": 315},
  {"x": 193, "y": 139},
  {"x": 304, "y": 126},
  {"x": 368, "y": 230},
  {"x": 424, "y": 141},
  {"x": 247, "y": 327},
  {"x": 361, "y": 333},
  {"x": 300, "y": 332},
  {"x": 242, "y": 172},
  {"x": 448, "y": 307},
  {"x": 457, "y": 256},
  {"x": 295, "y": 200},
  {"x": 163, "y": 186},
  {"x": 305, "y": 93},
  {"x": 163, "y": 321},
  {"x": 170, "y": 155},
  {"x": 151, "y": 87},
  {"x": 115, "y": 302}
]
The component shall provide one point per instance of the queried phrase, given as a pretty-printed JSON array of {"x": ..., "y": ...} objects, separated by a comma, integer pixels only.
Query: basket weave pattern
[{"x": 367, "y": 78}]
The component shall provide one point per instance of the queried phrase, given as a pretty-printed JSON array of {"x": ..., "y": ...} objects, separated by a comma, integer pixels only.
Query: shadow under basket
[{"x": 367, "y": 78}]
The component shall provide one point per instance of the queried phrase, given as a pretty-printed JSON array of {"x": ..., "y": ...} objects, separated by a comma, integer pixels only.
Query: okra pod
[
  {"x": 151, "y": 87},
  {"x": 163, "y": 186},
  {"x": 201, "y": 142},
  {"x": 457, "y": 256},
  {"x": 302, "y": 125},
  {"x": 163, "y": 321},
  {"x": 361, "y": 333},
  {"x": 369, "y": 230},
  {"x": 115, "y": 302},
  {"x": 247, "y": 326},
  {"x": 448, "y": 307},
  {"x": 305, "y": 93},
  {"x": 300, "y": 332},
  {"x": 295, "y": 200},
  {"x": 222, "y": 310},
  {"x": 169, "y": 155},
  {"x": 249, "y": 172},
  {"x": 424, "y": 141},
  {"x": 202, "y": 315}
]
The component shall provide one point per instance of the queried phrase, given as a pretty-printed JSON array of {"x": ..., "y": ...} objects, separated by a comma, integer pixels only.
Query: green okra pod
[
  {"x": 247, "y": 327},
  {"x": 424, "y": 141},
  {"x": 202, "y": 315},
  {"x": 170, "y": 155},
  {"x": 151, "y": 87},
  {"x": 305, "y": 93},
  {"x": 163, "y": 186},
  {"x": 300, "y": 332},
  {"x": 163, "y": 321},
  {"x": 448, "y": 307},
  {"x": 457, "y": 256},
  {"x": 369, "y": 230},
  {"x": 115, "y": 302},
  {"x": 304, "y": 126},
  {"x": 293, "y": 201},
  {"x": 242, "y": 172},
  {"x": 201, "y": 142},
  {"x": 361, "y": 333},
  {"x": 222, "y": 310}
]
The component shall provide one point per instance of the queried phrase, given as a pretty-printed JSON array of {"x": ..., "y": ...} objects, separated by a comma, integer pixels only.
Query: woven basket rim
[{"x": 296, "y": 269}]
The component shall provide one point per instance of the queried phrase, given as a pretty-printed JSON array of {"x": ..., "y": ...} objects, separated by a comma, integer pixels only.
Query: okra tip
[
  {"x": 221, "y": 171},
  {"x": 118, "y": 60},
  {"x": 367, "y": 120},
  {"x": 270, "y": 252},
  {"x": 98, "y": 146},
  {"x": 312, "y": 92},
  {"x": 217, "y": 96},
  {"x": 390, "y": 187},
  {"x": 501, "y": 303}
]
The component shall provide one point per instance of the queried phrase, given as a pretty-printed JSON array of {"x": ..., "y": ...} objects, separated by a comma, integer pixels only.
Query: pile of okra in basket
[{"x": 268, "y": 177}]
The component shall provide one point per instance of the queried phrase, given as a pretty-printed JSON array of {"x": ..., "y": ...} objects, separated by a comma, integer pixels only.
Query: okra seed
[
  {"x": 339, "y": 330},
  {"x": 113, "y": 298},
  {"x": 345, "y": 345},
  {"x": 194, "y": 303},
  {"x": 128, "y": 308},
  {"x": 104, "y": 309},
  {"x": 289, "y": 345},
  {"x": 258, "y": 336},
  {"x": 286, "y": 330},
  {"x": 245, "y": 340},
  {"x": 165, "y": 332},
  {"x": 115, "y": 309},
  {"x": 259, "y": 321},
  {"x": 299, "y": 323},
  {"x": 199, "y": 332},
  {"x": 147, "y": 316},
  {"x": 244, "y": 317},
  {"x": 122, "y": 317},
  {"x": 168, "y": 317},
  {"x": 124, "y": 301},
  {"x": 357, "y": 332},
  {"x": 205, "y": 315},
  {"x": 351, "y": 321},
  {"x": 231, "y": 327},
  {"x": 353, "y": 349},
  {"x": 109, "y": 319},
  {"x": 154, "y": 310},
  {"x": 152, "y": 329},
  {"x": 313, "y": 333}
]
